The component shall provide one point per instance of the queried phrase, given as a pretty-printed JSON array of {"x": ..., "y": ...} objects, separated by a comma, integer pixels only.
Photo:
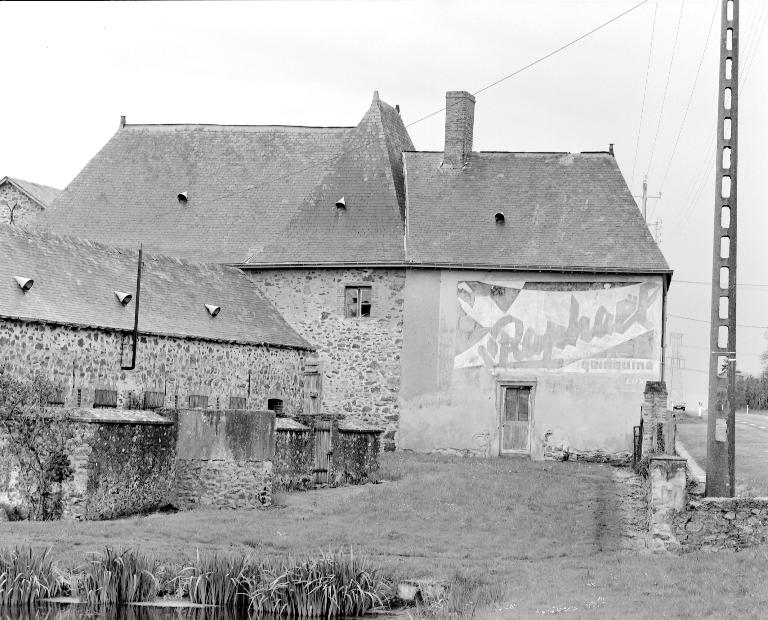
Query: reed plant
[
  {"x": 220, "y": 580},
  {"x": 27, "y": 575},
  {"x": 118, "y": 577},
  {"x": 331, "y": 585}
]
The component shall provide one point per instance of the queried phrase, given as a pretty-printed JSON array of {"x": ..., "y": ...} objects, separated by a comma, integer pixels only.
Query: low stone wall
[
  {"x": 224, "y": 458},
  {"x": 123, "y": 463},
  {"x": 716, "y": 523},
  {"x": 356, "y": 455},
  {"x": 294, "y": 456}
]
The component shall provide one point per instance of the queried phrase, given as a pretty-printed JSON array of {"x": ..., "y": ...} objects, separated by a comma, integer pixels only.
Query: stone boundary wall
[
  {"x": 355, "y": 456},
  {"x": 716, "y": 523},
  {"x": 294, "y": 456},
  {"x": 123, "y": 462},
  {"x": 224, "y": 458},
  {"x": 81, "y": 360}
]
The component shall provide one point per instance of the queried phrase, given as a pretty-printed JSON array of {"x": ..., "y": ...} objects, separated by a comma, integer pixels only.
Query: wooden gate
[{"x": 323, "y": 451}]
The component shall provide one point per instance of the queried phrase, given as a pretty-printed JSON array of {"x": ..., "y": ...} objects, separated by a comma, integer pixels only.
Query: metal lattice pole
[{"x": 721, "y": 423}]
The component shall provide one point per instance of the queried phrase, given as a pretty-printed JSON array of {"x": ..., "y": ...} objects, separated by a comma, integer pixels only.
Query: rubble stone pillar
[
  {"x": 668, "y": 494},
  {"x": 658, "y": 422}
]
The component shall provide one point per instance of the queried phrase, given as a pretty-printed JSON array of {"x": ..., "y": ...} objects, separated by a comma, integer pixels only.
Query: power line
[
  {"x": 676, "y": 281},
  {"x": 645, "y": 91},
  {"x": 690, "y": 95},
  {"x": 693, "y": 346},
  {"x": 666, "y": 86},
  {"x": 703, "y": 175},
  {"x": 690, "y": 318},
  {"x": 329, "y": 160}
]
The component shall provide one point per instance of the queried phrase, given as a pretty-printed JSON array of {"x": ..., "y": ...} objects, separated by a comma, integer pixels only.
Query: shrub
[
  {"x": 217, "y": 580},
  {"x": 330, "y": 586},
  {"x": 26, "y": 576},
  {"x": 116, "y": 578}
]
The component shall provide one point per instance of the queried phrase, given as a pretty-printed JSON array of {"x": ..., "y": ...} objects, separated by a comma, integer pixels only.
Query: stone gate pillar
[{"x": 658, "y": 421}]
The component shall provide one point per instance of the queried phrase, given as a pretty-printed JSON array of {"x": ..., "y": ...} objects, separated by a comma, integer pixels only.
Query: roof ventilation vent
[
  {"x": 123, "y": 298},
  {"x": 24, "y": 283},
  {"x": 182, "y": 197},
  {"x": 212, "y": 310},
  {"x": 499, "y": 218},
  {"x": 341, "y": 203}
]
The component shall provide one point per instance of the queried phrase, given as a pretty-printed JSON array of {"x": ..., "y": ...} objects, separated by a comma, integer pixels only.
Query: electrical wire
[
  {"x": 645, "y": 92},
  {"x": 666, "y": 86},
  {"x": 690, "y": 95},
  {"x": 690, "y": 318},
  {"x": 331, "y": 160}
]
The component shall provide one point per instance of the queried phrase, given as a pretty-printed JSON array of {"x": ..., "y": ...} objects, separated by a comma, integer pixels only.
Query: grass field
[{"x": 519, "y": 539}]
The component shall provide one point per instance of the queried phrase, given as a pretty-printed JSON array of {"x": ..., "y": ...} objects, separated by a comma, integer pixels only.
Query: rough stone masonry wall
[
  {"x": 120, "y": 469},
  {"x": 716, "y": 523},
  {"x": 87, "y": 359},
  {"x": 225, "y": 458},
  {"x": 294, "y": 459},
  {"x": 27, "y": 211},
  {"x": 361, "y": 355},
  {"x": 355, "y": 458}
]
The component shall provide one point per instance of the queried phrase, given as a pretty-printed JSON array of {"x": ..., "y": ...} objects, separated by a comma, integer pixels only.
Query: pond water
[{"x": 58, "y": 611}]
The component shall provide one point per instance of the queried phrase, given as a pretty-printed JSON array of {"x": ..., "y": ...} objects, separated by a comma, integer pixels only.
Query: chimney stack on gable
[{"x": 459, "y": 124}]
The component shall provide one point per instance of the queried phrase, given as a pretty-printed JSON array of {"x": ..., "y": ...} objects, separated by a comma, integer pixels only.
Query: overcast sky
[{"x": 72, "y": 69}]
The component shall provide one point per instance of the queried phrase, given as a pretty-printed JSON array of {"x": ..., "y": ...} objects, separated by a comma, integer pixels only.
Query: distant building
[
  {"x": 485, "y": 303},
  {"x": 21, "y": 202}
]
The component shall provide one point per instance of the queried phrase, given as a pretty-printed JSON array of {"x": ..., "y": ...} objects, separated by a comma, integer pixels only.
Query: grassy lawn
[{"x": 521, "y": 538}]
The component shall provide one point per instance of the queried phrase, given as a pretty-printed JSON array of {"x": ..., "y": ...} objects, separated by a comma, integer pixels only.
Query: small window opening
[
  {"x": 357, "y": 301},
  {"x": 499, "y": 218},
  {"x": 341, "y": 203},
  {"x": 276, "y": 405},
  {"x": 213, "y": 310},
  {"x": 182, "y": 197}
]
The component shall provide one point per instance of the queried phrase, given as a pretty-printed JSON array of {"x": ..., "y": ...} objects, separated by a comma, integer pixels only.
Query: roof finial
[
  {"x": 122, "y": 122},
  {"x": 610, "y": 149},
  {"x": 375, "y": 95}
]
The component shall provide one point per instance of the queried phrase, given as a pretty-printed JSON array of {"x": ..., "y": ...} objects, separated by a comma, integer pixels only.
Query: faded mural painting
[{"x": 584, "y": 327}]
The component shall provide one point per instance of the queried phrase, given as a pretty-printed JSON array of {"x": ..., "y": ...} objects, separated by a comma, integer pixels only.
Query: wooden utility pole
[{"x": 721, "y": 422}]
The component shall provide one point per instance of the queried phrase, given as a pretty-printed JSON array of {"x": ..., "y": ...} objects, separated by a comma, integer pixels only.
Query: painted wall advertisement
[{"x": 572, "y": 327}]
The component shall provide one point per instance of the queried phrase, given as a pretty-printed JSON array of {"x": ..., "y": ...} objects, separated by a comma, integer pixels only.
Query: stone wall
[
  {"x": 225, "y": 458},
  {"x": 294, "y": 459},
  {"x": 123, "y": 462},
  {"x": 27, "y": 211},
  {"x": 355, "y": 456},
  {"x": 716, "y": 523},
  {"x": 658, "y": 422},
  {"x": 361, "y": 355},
  {"x": 81, "y": 360}
]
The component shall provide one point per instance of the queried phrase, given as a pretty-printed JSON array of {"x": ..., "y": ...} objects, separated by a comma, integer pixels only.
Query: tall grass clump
[
  {"x": 218, "y": 580},
  {"x": 331, "y": 585},
  {"x": 118, "y": 577},
  {"x": 27, "y": 576}
]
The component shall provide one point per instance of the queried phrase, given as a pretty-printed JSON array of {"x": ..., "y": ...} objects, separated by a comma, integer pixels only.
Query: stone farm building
[
  {"x": 22, "y": 202},
  {"x": 480, "y": 302},
  {"x": 67, "y": 309}
]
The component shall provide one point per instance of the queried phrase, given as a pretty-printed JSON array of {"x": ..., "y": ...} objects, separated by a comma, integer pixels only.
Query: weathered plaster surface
[
  {"x": 26, "y": 211},
  {"x": 582, "y": 398},
  {"x": 86, "y": 359},
  {"x": 361, "y": 355}
]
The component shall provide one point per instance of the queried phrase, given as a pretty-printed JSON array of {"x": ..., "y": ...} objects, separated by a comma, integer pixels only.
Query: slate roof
[
  {"x": 75, "y": 280},
  {"x": 43, "y": 195},
  {"x": 562, "y": 211},
  {"x": 257, "y": 194}
]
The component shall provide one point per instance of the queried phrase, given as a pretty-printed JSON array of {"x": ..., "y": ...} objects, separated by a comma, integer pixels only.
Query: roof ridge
[{"x": 215, "y": 126}]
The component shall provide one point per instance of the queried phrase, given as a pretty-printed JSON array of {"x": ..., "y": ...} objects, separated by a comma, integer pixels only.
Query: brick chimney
[{"x": 459, "y": 122}]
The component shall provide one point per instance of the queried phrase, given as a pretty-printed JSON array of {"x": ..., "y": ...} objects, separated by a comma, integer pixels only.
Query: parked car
[{"x": 678, "y": 407}]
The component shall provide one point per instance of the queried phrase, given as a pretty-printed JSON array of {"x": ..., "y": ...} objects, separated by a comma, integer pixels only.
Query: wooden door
[
  {"x": 323, "y": 451},
  {"x": 516, "y": 414}
]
